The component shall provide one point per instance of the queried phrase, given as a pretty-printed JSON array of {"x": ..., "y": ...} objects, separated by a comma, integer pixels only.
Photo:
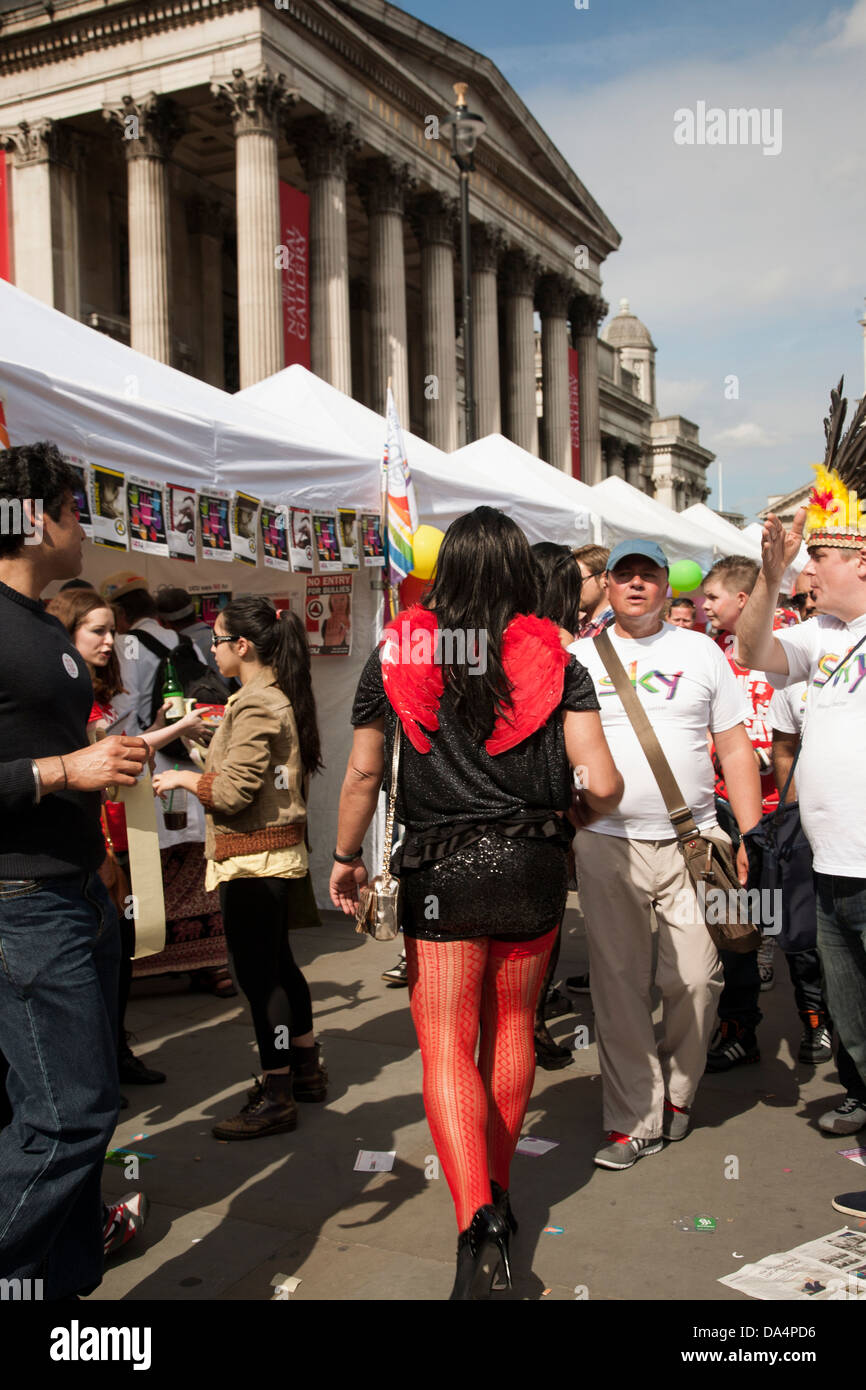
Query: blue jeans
[
  {"x": 842, "y": 948},
  {"x": 59, "y": 955}
]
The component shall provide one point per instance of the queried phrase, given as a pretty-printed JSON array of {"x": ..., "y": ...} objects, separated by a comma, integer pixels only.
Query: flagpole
[{"x": 388, "y": 609}]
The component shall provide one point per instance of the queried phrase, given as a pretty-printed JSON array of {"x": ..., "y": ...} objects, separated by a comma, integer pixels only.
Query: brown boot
[
  {"x": 309, "y": 1074},
  {"x": 271, "y": 1110}
]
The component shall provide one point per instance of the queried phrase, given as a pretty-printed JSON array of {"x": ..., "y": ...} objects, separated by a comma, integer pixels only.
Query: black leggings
[{"x": 256, "y": 915}]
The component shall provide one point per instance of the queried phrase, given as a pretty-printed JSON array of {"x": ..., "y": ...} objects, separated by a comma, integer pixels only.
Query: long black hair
[
  {"x": 281, "y": 643},
  {"x": 560, "y": 582},
  {"x": 485, "y": 574}
]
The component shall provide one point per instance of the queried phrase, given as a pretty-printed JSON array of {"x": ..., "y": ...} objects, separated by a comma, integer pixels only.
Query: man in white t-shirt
[
  {"x": 630, "y": 861},
  {"x": 829, "y": 652}
]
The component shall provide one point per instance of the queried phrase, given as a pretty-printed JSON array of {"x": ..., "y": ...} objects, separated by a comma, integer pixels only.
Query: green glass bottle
[{"x": 173, "y": 692}]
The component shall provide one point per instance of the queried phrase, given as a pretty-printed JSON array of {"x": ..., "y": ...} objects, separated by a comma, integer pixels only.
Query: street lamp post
[{"x": 466, "y": 128}]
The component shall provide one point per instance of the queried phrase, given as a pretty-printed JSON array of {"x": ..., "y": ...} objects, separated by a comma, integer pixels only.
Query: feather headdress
[{"x": 836, "y": 516}]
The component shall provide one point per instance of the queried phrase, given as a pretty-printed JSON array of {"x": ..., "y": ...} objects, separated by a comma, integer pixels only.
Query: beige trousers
[{"x": 619, "y": 881}]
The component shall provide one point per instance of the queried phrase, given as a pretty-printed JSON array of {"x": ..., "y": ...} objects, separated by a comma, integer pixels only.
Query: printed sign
[
  {"x": 327, "y": 544},
  {"x": 348, "y": 528},
  {"x": 245, "y": 528},
  {"x": 274, "y": 525},
  {"x": 213, "y": 511},
  {"x": 300, "y": 540},
  {"x": 328, "y": 614},
  {"x": 372, "y": 543},
  {"x": 81, "y": 469},
  {"x": 293, "y": 260},
  {"x": 108, "y": 508},
  {"x": 181, "y": 504},
  {"x": 146, "y": 506}
]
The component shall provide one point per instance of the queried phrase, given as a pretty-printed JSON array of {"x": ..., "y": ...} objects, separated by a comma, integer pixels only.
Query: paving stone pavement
[{"x": 227, "y": 1218}]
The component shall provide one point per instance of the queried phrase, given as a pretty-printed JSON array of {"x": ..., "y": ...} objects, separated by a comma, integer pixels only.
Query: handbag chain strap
[
  {"x": 681, "y": 817},
  {"x": 392, "y": 802}
]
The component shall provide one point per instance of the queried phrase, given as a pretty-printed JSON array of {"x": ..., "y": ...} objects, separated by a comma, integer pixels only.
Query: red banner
[
  {"x": 574, "y": 410},
  {"x": 4, "y": 218},
  {"x": 294, "y": 265}
]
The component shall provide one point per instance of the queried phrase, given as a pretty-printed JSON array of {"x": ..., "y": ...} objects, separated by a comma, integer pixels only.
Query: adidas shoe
[
  {"x": 676, "y": 1121},
  {"x": 816, "y": 1044},
  {"x": 623, "y": 1151},
  {"x": 847, "y": 1118},
  {"x": 123, "y": 1220},
  {"x": 732, "y": 1046}
]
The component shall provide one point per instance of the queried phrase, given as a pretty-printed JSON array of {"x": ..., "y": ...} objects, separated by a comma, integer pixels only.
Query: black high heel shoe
[
  {"x": 502, "y": 1203},
  {"x": 481, "y": 1249}
]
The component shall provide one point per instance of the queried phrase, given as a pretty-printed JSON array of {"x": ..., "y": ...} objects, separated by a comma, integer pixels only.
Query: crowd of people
[{"x": 518, "y": 777}]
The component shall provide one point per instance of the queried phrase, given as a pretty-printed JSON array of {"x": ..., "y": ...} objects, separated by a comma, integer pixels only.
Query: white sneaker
[{"x": 847, "y": 1118}]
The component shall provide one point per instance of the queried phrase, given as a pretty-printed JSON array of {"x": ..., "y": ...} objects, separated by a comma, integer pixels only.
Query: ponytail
[{"x": 281, "y": 643}]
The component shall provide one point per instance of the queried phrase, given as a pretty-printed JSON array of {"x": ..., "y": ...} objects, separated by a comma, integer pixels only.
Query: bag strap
[
  {"x": 783, "y": 795},
  {"x": 681, "y": 817},
  {"x": 153, "y": 644},
  {"x": 392, "y": 802}
]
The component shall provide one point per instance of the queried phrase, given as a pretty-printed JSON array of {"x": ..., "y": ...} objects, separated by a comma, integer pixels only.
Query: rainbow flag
[
  {"x": 4, "y": 433},
  {"x": 401, "y": 512}
]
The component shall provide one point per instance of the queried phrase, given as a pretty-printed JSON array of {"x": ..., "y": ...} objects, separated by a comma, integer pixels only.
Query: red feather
[
  {"x": 534, "y": 660},
  {"x": 532, "y": 655}
]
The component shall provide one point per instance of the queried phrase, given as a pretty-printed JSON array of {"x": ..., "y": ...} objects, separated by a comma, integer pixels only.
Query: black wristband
[{"x": 349, "y": 858}]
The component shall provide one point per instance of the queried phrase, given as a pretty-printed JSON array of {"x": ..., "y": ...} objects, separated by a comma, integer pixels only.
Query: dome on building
[{"x": 627, "y": 331}]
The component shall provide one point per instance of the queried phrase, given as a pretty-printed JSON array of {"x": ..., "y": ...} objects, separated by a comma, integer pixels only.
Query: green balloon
[{"x": 684, "y": 576}]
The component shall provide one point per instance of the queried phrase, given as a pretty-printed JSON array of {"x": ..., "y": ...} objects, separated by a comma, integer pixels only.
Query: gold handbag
[{"x": 378, "y": 910}]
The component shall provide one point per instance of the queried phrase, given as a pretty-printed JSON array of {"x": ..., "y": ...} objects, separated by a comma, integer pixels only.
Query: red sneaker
[{"x": 123, "y": 1220}]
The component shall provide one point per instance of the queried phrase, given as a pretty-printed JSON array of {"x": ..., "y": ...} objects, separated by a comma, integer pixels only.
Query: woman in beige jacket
[{"x": 253, "y": 790}]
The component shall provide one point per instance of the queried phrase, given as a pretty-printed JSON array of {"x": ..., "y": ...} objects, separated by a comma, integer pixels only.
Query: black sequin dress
[{"x": 485, "y": 848}]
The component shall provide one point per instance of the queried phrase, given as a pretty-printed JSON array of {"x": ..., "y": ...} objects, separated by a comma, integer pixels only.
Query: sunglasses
[{"x": 215, "y": 640}]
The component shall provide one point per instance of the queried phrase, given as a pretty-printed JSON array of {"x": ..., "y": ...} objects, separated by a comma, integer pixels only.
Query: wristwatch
[{"x": 349, "y": 858}]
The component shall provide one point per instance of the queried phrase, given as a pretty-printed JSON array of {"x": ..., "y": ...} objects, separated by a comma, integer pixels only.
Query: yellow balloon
[{"x": 425, "y": 543}]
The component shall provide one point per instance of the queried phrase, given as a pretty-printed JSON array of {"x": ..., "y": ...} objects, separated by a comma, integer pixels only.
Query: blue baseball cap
[{"x": 649, "y": 549}]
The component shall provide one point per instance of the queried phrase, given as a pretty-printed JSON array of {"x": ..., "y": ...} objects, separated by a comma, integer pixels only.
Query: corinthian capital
[
  {"x": 488, "y": 244},
  {"x": 384, "y": 185},
  {"x": 45, "y": 141},
  {"x": 520, "y": 273},
  {"x": 150, "y": 128},
  {"x": 256, "y": 102},
  {"x": 553, "y": 296},
  {"x": 434, "y": 219},
  {"x": 323, "y": 145},
  {"x": 587, "y": 312}
]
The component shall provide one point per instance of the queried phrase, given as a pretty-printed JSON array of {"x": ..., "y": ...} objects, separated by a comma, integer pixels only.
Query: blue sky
[{"x": 739, "y": 263}]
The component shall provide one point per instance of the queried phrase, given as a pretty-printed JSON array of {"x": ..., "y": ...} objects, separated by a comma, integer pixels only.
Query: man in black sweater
[{"x": 59, "y": 940}]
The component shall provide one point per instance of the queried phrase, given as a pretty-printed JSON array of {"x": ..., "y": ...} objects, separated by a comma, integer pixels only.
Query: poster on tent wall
[
  {"x": 108, "y": 507},
  {"x": 274, "y": 523},
  {"x": 209, "y": 600},
  {"x": 180, "y": 513},
  {"x": 372, "y": 544},
  {"x": 574, "y": 410},
  {"x": 245, "y": 528},
  {"x": 293, "y": 259},
  {"x": 213, "y": 514},
  {"x": 81, "y": 469},
  {"x": 327, "y": 544},
  {"x": 328, "y": 616},
  {"x": 146, "y": 506},
  {"x": 300, "y": 540},
  {"x": 348, "y": 519},
  {"x": 5, "y": 269}
]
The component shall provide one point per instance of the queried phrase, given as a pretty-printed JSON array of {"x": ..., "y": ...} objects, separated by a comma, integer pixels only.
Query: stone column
[
  {"x": 359, "y": 306},
  {"x": 586, "y": 313},
  {"x": 257, "y": 104},
  {"x": 554, "y": 294},
  {"x": 487, "y": 245},
  {"x": 614, "y": 458},
  {"x": 206, "y": 222},
  {"x": 384, "y": 185},
  {"x": 521, "y": 417},
  {"x": 434, "y": 221},
  {"x": 633, "y": 466},
  {"x": 322, "y": 145},
  {"x": 149, "y": 129},
  {"x": 47, "y": 160}
]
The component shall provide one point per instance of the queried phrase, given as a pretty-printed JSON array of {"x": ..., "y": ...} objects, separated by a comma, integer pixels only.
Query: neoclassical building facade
[{"x": 149, "y": 145}]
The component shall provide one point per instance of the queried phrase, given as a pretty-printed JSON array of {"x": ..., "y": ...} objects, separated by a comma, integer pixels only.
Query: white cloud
[
  {"x": 748, "y": 435},
  {"x": 853, "y": 27}
]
